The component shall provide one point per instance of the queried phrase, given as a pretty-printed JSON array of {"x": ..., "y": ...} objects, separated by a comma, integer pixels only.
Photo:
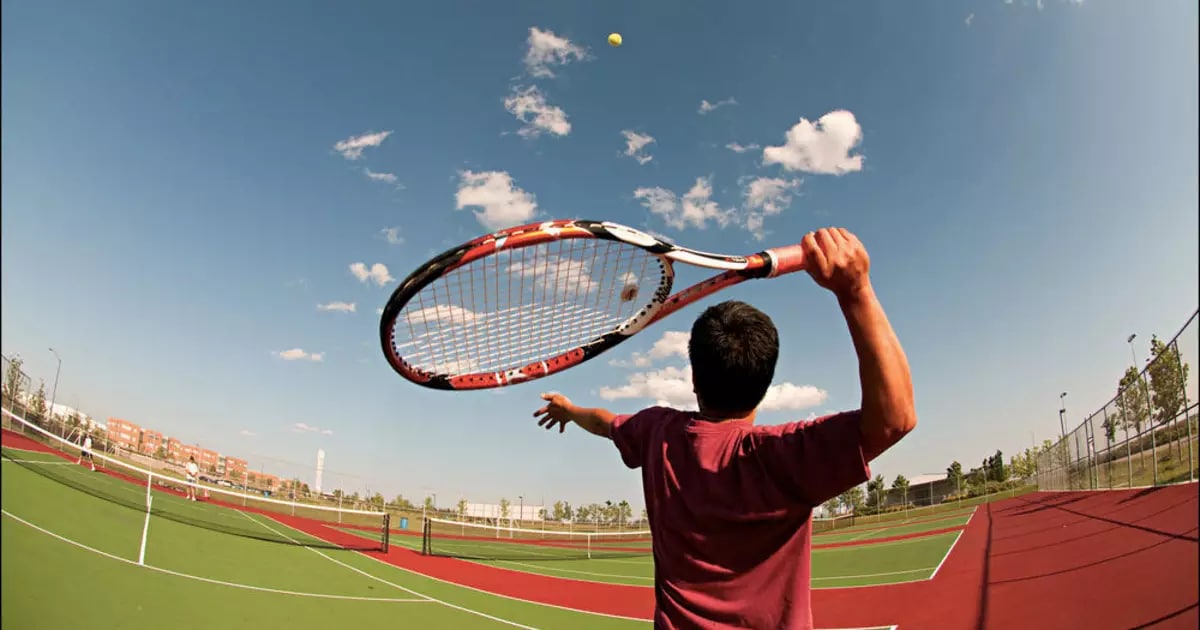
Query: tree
[
  {"x": 428, "y": 504},
  {"x": 645, "y": 515},
  {"x": 557, "y": 511},
  {"x": 624, "y": 511},
  {"x": 954, "y": 474},
  {"x": 37, "y": 407},
  {"x": 1110, "y": 427},
  {"x": 583, "y": 513},
  {"x": 13, "y": 380},
  {"x": 831, "y": 507},
  {"x": 161, "y": 452},
  {"x": 875, "y": 492},
  {"x": 377, "y": 499},
  {"x": 504, "y": 505},
  {"x": 461, "y": 508},
  {"x": 1131, "y": 400},
  {"x": 337, "y": 493},
  {"x": 901, "y": 484},
  {"x": 304, "y": 489},
  {"x": 997, "y": 471},
  {"x": 1168, "y": 377},
  {"x": 212, "y": 469},
  {"x": 852, "y": 499}
]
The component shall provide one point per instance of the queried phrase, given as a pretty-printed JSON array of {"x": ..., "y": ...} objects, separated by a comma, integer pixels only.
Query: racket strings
[{"x": 518, "y": 307}]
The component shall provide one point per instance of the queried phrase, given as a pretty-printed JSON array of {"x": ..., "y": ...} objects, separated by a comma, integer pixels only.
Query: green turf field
[{"x": 68, "y": 553}]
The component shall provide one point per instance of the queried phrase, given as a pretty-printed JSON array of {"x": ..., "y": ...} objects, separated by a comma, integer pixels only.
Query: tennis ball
[
  {"x": 629, "y": 293},
  {"x": 614, "y": 39}
]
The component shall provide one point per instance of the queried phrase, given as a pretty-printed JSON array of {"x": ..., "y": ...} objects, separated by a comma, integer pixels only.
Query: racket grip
[{"x": 788, "y": 259}]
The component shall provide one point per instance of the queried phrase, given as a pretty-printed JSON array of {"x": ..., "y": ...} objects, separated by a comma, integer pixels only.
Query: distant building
[
  {"x": 152, "y": 441},
  {"x": 124, "y": 434}
]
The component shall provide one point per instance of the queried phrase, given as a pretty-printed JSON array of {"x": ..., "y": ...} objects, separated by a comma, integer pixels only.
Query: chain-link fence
[{"x": 1145, "y": 436}]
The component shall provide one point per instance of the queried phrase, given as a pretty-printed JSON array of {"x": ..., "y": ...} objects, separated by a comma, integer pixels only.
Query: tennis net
[
  {"x": 821, "y": 525},
  {"x": 164, "y": 494},
  {"x": 474, "y": 541}
]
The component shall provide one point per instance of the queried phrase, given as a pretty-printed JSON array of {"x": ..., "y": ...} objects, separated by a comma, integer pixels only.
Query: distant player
[
  {"x": 85, "y": 452},
  {"x": 193, "y": 474},
  {"x": 730, "y": 502}
]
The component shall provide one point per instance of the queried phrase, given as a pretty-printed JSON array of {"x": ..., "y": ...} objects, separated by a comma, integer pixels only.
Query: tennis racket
[{"x": 532, "y": 300}]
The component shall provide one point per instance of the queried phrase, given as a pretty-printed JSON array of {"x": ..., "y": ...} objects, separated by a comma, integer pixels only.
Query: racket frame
[{"x": 734, "y": 270}]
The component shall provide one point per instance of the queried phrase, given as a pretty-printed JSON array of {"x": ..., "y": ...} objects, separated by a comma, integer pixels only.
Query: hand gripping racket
[{"x": 529, "y": 301}]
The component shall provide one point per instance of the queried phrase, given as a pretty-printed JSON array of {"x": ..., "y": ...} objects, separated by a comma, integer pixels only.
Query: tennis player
[
  {"x": 193, "y": 473},
  {"x": 85, "y": 452},
  {"x": 729, "y": 502}
]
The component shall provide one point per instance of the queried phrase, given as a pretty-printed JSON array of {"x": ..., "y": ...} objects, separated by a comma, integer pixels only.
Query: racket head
[{"x": 523, "y": 303}]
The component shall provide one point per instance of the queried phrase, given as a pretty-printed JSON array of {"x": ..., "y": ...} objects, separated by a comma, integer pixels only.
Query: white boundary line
[
  {"x": 249, "y": 587},
  {"x": 145, "y": 530},
  {"x": 375, "y": 577},
  {"x": 952, "y": 545}
]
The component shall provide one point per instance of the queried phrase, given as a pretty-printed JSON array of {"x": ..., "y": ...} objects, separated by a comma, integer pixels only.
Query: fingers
[{"x": 813, "y": 253}]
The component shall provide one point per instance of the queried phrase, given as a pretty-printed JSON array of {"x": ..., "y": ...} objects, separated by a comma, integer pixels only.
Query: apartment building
[{"x": 124, "y": 434}]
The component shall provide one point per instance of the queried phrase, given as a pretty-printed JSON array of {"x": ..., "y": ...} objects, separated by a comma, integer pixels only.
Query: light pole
[
  {"x": 54, "y": 391},
  {"x": 1149, "y": 412},
  {"x": 521, "y": 509},
  {"x": 1062, "y": 411}
]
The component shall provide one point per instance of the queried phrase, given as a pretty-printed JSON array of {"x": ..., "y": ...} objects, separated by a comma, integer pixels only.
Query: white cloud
[
  {"x": 246, "y": 433},
  {"x": 352, "y": 148},
  {"x": 379, "y": 311},
  {"x": 672, "y": 343},
  {"x": 377, "y": 273},
  {"x": 502, "y": 204},
  {"x": 301, "y": 427},
  {"x": 672, "y": 386},
  {"x": 822, "y": 147},
  {"x": 297, "y": 354},
  {"x": 545, "y": 49},
  {"x": 741, "y": 148},
  {"x": 529, "y": 105},
  {"x": 341, "y": 307},
  {"x": 392, "y": 235},
  {"x": 970, "y": 18},
  {"x": 695, "y": 209},
  {"x": 766, "y": 196},
  {"x": 387, "y": 178},
  {"x": 634, "y": 143},
  {"x": 792, "y": 397},
  {"x": 706, "y": 106}
]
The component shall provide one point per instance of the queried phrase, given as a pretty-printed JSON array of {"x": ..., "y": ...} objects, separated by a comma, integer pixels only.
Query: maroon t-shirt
[{"x": 729, "y": 505}]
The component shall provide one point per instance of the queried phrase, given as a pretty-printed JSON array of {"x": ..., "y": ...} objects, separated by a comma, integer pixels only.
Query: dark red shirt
[{"x": 729, "y": 505}]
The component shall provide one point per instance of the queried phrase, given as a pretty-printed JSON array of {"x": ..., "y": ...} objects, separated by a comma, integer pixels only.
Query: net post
[
  {"x": 424, "y": 536},
  {"x": 387, "y": 530}
]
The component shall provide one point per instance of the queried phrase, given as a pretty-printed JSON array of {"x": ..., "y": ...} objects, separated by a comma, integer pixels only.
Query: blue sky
[{"x": 176, "y": 206}]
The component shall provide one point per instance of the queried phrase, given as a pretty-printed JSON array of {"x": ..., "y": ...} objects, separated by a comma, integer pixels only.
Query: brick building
[
  {"x": 124, "y": 434},
  {"x": 151, "y": 441}
]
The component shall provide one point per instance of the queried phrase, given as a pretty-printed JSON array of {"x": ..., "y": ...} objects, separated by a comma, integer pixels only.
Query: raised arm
[
  {"x": 888, "y": 413},
  {"x": 839, "y": 262},
  {"x": 559, "y": 410}
]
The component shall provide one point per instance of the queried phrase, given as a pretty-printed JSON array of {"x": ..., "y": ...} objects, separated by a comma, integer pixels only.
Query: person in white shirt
[
  {"x": 86, "y": 453},
  {"x": 193, "y": 473}
]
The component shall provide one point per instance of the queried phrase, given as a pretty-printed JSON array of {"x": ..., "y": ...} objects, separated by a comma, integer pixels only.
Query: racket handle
[{"x": 788, "y": 259}]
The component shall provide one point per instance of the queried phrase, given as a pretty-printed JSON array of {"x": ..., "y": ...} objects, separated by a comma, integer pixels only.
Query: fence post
[{"x": 1187, "y": 412}]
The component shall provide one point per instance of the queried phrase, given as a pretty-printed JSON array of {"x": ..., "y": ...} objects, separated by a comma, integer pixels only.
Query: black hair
[{"x": 733, "y": 351}]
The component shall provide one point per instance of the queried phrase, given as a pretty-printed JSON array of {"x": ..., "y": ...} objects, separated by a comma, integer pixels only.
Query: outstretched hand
[{"x": 558, "y": 411}]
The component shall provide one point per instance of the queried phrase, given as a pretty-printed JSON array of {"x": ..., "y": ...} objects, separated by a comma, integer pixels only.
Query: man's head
[
  {"x": 733, "y": 350},
  {"x": 192, "y": 460}
]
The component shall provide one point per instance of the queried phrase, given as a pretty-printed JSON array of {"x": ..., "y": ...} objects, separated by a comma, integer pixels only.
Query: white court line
[
  {"x": 37, "y": 461},
  {"x": 867, "y": 575},
  {"x": 375, "y": 577},
  {"x": 249, "y": 587},
  {"x": 145, "y": 531},
  {"x": 951, "y": 549},
  {"x": 554, "y": 569}
]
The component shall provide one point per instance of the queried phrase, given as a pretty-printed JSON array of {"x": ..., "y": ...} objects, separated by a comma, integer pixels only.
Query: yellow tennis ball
[{"x": 614, "y": 39}]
